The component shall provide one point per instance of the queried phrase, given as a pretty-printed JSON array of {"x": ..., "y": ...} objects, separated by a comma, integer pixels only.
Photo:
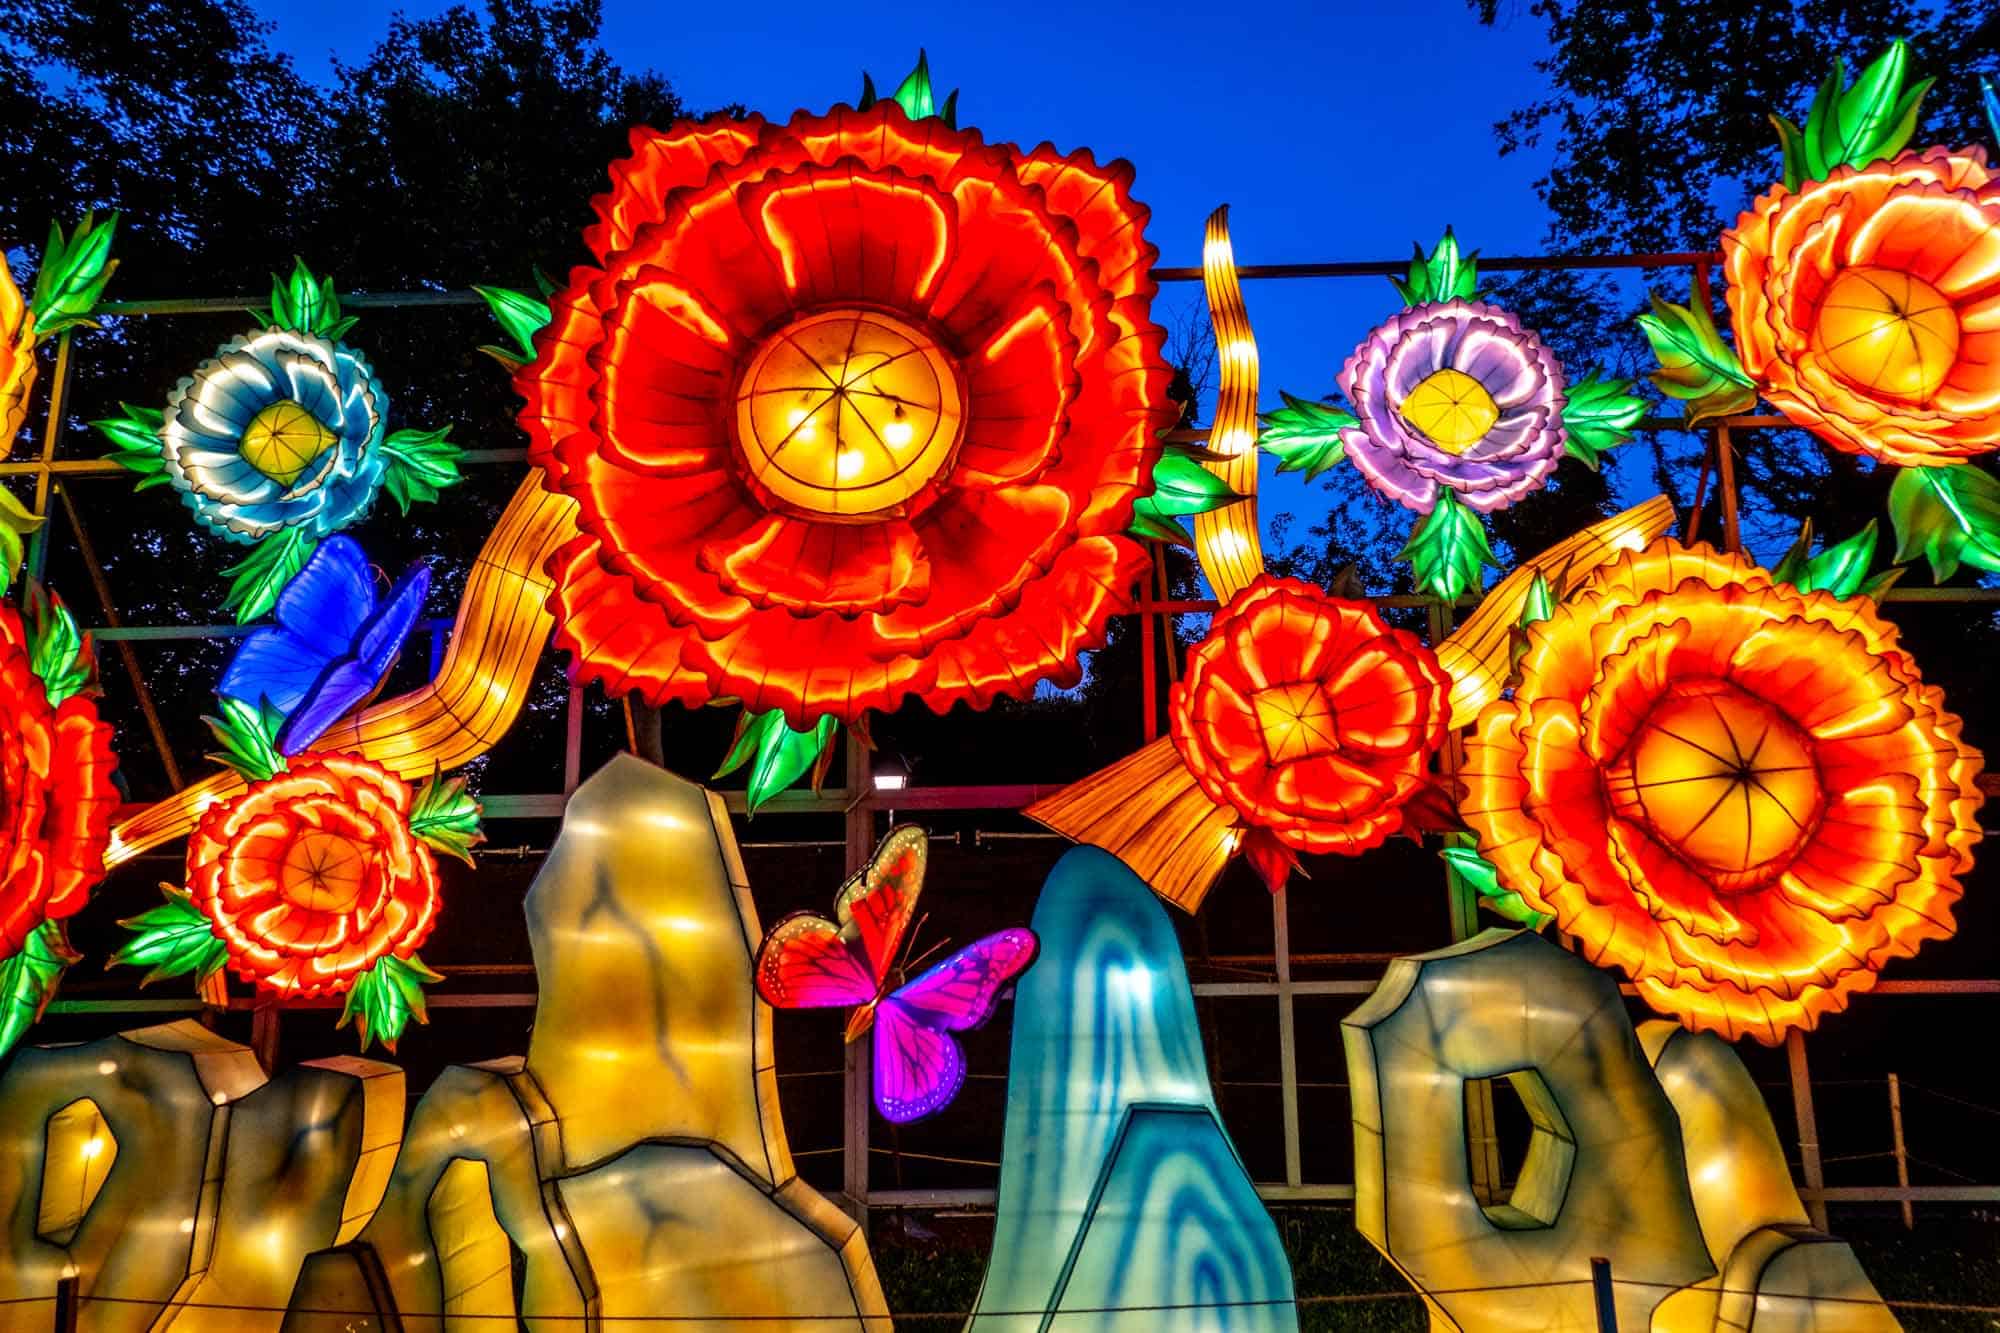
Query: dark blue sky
[{"x": 1335, "y": 131}]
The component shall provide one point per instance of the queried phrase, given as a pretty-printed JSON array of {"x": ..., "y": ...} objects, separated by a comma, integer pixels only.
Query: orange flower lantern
[
  {"x": 1867, "y": 305},
  {"x": 1740, "y": 794},
  {"x": 313, "y": 875},
  {"x": 852, "y": 407},
  {"x": 1311, "y": 719},
  {"x": 315, "y": 878},
  {"x": 56, "y": 790}
]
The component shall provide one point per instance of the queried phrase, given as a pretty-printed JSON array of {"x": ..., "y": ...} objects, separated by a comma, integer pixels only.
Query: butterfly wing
[
  {"x": 328, "y": 601},
  {"x": 318, "y": 614},
  {"x": 349, "y": 681},
  {"x": 879, "y": 902},
  {"x": 381, "y": 639},
  {"x": 961, "y": 992},
  {"x": 275, "y": 664},
  {"x": 807, "y": 963},
  {"x": 919, "y": 1068}
]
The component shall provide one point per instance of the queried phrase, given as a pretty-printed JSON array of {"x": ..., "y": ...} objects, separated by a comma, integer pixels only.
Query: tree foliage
[{"x": 1657, "y": 118}]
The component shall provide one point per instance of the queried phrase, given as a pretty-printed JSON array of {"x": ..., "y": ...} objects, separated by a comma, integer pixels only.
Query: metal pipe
[{"x": 1896, "y": 1142}]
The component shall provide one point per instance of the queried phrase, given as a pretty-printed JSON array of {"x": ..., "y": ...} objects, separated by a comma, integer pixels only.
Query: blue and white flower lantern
[{"x": 279, "y": 429}]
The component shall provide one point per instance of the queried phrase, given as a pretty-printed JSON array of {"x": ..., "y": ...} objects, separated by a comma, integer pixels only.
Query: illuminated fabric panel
[
  {"x": 1478, "y": 655},
  {"x": 1653, "y": 1149},
  {"x": 502, "y": 626},
  {"x": 1119, "y": 1188},
  {"x": 1513, "y": 1004},
  {"x": 1149, "y": 812},
  {"x": 17, "y": 360},
  {"x": 634, "y": 1162},
  {"x": 182, "y": 1177},
  {"x": 1227, "y": 539},
  {"x": 1771, "y": 1266}
]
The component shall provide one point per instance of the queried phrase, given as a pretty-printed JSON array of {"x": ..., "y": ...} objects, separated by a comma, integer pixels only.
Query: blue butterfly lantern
[{"x": 332, "y": 645}]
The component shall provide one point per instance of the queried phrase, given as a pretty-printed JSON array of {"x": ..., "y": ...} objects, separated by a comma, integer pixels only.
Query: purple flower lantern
[
  {"x": 1457, "y": 411},
  {"x": 1456, "y": 395}
]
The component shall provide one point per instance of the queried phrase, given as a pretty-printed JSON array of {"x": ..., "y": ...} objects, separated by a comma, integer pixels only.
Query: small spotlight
[{"x": 891, "y": 781}]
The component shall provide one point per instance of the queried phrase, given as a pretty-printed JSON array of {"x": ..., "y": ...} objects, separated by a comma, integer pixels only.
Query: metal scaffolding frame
[{"x": 857, "y": 802}]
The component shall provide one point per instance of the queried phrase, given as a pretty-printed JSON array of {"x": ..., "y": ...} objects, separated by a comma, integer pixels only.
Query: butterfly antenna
[
  {"x": 924, "y": 957},
  {"x": 910, "y": 941}
]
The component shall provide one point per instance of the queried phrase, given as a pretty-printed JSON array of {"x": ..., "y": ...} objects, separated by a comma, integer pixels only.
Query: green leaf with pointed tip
[
  {"x": 263, "y": 574},
  {"x": 446, "y": 816},
  {"x": 1447, "y": 550},
  {"x": 385, "y": 998},
  {"x": 784, "y": 756},
  {"x": 15, "y": 523},
  {"x": 1872, "y": 120},
  {"x": 29, "y": 979},
  {"x": 1153, "y": 528},
  {"x": 1873, "y": 587},
  {"x": 1949, "y": 515},
  {"x": 1728, "y": 401},
  {"x": 1841, "y": 568},
  {"x": 750, "y": 728},
  {"x": 136, "y": 440},
  {"x": 1465, "y": 866},
  {"x": 1793, "y": 563},
  {"x": 421, "y": 463},
  {"x": 58, "y": 652},
  {"x": 249, "y": 737},
  {"x": 1599, "y": 414},
  {"x": 1443, "y": 275},
  {"x": 173, "y": 939},
  {"x": 1183, "y": 487},
  {"x": 1793, "y": 143},
  {"x": 521, "y": 316},
  {"x": 1539, "y": 604},
  {"x": 305, "y": 304},
  {"x": 1304, "y": 436},
  {"x": 915, "y": 94},
  {"x": 1694, "y": 360},
  {"x": 74, "y": 271}
]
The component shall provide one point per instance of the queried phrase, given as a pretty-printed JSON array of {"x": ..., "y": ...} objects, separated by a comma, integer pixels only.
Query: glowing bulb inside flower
[{"x": 848, "y": 413}]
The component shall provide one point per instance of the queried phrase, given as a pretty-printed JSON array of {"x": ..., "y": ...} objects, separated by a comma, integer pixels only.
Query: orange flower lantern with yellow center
[
  {"x": 853, "y": 407},
  {"x": 1309, "y": 718},
  {"x": 1740, "y": 794},
  {"x": 1867, "y": 305},
  {"x": 313, "y": 875}
]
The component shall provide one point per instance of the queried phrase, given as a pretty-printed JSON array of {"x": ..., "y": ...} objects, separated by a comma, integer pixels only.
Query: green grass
[{"x": 934, "y": 1263}]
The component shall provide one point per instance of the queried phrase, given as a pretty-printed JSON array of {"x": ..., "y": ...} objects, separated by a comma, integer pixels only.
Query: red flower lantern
[
  {"x": 312, "y": 876},
  {"x": 56, "y": 793},
  {"x": 852, "y": 407},
  {"x": 1311, "y": 718}
]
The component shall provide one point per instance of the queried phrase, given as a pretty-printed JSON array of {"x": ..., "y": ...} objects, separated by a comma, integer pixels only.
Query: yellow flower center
[
  {"x": 1451, "y": 409},
  {"x": 323, "y": 873},
  {"x": 846, "y": 414},
  {"x": 1296, "y": 720},
  {"x": 1723, "y": 778},
  {"x": 282, "y": 441},
  {"x": 1888, "y": 332}
]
